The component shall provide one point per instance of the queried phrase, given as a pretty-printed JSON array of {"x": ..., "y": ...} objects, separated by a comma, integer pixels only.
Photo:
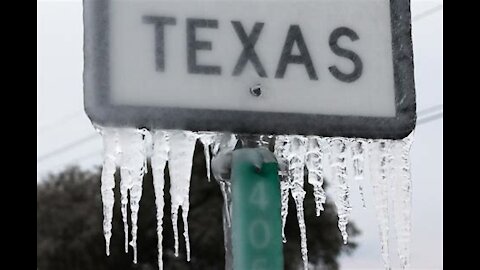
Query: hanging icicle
[
  {"x": 357, "y": 147},
  {"x": 223, "y": 145},
  {"x": 132, "y": 168},
  {"x": 296, "y": 150},
  {"x": 159, "y": 160},
  {"x": 313, "y": 160},
  {"x": 402, "y": 197},
  {"x": 110, "y": 159},
  {"x": 279, "y": 152},
  {"x": 335, "y": 159},
  {"x": 339, "y": 169},
  {"x": 379, "y": 162},
  {"x": 207, "y": 139},
  {"x": 180, "y": 158}
]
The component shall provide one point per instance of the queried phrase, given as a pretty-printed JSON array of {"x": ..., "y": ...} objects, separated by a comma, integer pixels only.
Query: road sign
[
  {"x": 331, "y": 68},
  {"x": 256, "y": 222}
]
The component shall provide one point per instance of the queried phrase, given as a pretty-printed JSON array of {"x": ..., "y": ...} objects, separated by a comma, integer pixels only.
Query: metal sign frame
[{"x": 101, "y": 111}]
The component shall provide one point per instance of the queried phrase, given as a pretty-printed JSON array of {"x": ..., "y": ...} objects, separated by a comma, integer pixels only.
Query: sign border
[{"x": 102, "y": 112}]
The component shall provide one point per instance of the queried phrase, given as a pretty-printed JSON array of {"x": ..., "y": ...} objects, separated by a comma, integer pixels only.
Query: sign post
[{"x": 256, "y": 222}]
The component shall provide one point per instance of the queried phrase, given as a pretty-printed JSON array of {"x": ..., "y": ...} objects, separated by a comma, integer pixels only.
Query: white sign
[{"x": 327, "y": 67}]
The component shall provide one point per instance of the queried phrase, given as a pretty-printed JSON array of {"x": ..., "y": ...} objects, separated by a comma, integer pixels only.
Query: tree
[{"x": 70, "y": 236}]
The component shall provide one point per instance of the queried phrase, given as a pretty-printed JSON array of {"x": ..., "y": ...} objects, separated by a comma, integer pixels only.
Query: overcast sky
[{"x": 61, "y": 121}]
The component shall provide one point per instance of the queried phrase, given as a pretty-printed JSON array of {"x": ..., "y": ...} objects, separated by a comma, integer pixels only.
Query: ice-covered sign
[{"x": 313, "y": 67}]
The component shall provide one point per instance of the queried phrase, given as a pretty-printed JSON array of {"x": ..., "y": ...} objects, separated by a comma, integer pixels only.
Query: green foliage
[{"x": 69, "y": 226}]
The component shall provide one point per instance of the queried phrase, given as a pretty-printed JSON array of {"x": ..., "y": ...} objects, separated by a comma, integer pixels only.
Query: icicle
[
  {"x": 379, "y": 162},
  {"x": 226, "y": 194},
  {"x": 185, "y": 209},
  {"x": 110, "y": 155},
  {"x": 159, "y": 160},
  {"x": 180, "y": 157},
  {"x": 313, "y": 160},
  {"x": 296, "y": 149},
  {"x": 279, "y": 151},
  {"x": 357, "y": 147},
  {"x": 402, "y": 188},
  {"x": 126, "y": 181},
  {"x": 338, "y": 165},
  {"x": 224, "y": 144},
  {"x": 133, "y": 167},
  {"x": 207, "y": 139},
  {"x": 175, "y": 229}
]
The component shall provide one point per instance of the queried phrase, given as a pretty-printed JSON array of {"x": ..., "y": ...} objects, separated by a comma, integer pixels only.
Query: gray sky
[{"x": 61, "y": 121}]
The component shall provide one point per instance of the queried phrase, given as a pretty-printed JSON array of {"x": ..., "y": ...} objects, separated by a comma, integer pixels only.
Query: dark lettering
[
  {"x": 294, "y": 35},
  {"x": 357, "y": 62},
  {"x": 159, "y": 23},
  {"x": 248, "y": 53},
  {"x": 194, "y": 45}
]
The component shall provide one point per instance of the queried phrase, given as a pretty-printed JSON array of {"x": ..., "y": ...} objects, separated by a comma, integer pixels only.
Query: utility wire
[
  {"x": 430, "y": 109},
  {"x": 58, "y": 123},
  {"x": 429, "y": 118},
  {"x": 422, "y": 119},
  {"x": 427, "y": 13},
  {"x": 67, "y": 147}
]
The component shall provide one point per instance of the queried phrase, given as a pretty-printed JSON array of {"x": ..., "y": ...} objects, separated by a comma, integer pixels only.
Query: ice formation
[{"x": 341, "y": 161}]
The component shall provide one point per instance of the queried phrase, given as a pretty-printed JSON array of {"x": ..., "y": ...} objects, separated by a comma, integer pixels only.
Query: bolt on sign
[{"x": 323, "y": 67}]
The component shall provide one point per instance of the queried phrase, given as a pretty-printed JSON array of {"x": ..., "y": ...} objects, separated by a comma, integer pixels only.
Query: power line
[
  {"x": 430, "y": 109},
  {"x": 430, "y": 114},
  {"x": 427, "y": 13},
  {"x": 81, "y": 158},
  {"x": 429, "y": 118},
  {"x": 86, "y": 156},
  {"x": 71, "y": 162},
  {"x": 420, "y": 120},
  {"x": 67, "y": 147},
  {"x": 58, "y": 123}
]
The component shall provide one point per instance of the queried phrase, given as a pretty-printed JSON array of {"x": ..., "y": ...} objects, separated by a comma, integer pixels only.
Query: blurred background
[{"x": 69, "y": 153}]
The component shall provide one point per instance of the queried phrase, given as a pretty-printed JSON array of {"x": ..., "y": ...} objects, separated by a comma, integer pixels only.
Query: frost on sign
[{"x": 329, "y": 68}]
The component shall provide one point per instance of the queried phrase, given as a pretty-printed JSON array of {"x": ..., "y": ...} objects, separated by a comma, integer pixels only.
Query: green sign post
[{"x": 256, "y": 221}]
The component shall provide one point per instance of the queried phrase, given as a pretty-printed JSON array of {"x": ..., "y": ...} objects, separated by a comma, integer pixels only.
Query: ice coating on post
[
  {"x": 296, "y": 150},
  {"x": 223, "y": 145},
  {"x": 313, "y": 160},
  {"x": 279, "y": 152},
  {"x": 379, "y": 162},
  {"x": 402, "y": 198},
  {"x": 226, "y": 194},
  {"x": 110, "y": 155},
  {"x": 224, "y": 142},
  {"x": 357, "y": 147},
  {"x": 207, "y": 138},
  {"x": 180, "y": 158},
  {"x": 159, "y": 160},
  {"x": 339, "y": 168},
  {"x": 133, "y": 166}
]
